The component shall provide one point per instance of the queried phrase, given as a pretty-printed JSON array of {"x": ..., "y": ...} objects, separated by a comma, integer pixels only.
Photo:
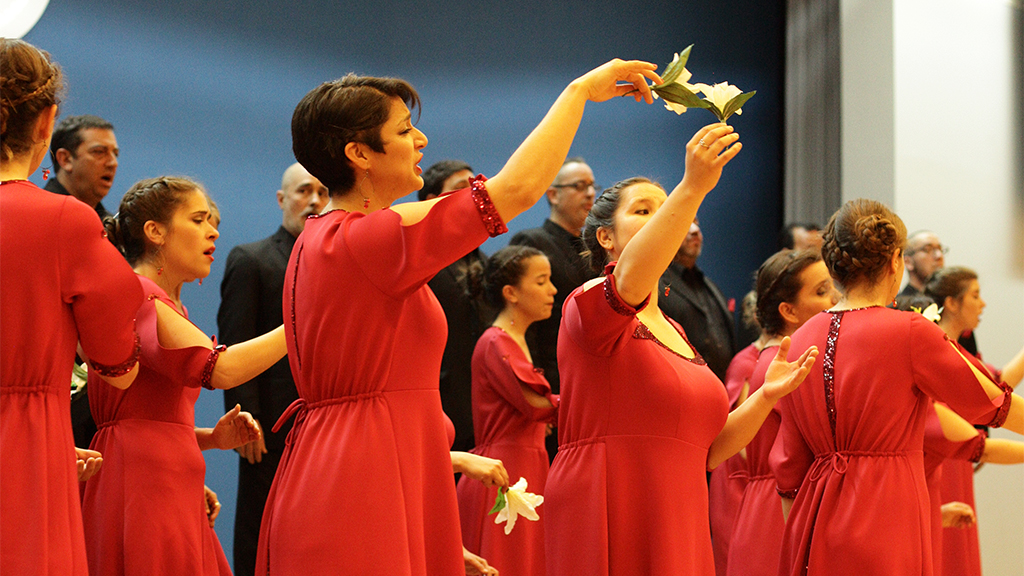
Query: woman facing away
[
  {"x": 642, "y": 417},
  {"x": 958, "y": 293},
  {"x": 513, "y": 407},
  {"x": 146, "y": 511},
  {"x": 792, "y": 287},
  {"x": 849, "y": 448},
  {"x": 63, "y": 286},
  {"x": 365, "y": 483}
]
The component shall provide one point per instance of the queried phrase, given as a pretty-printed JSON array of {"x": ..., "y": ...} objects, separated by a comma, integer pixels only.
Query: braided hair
[
  {"x": 153, "y": 199},
  {"x": 505, "y": 268},
  {"x": 30, "y": 82},
  {"x": 859, "y": 242},
  {"x": 778, "y": 281}
]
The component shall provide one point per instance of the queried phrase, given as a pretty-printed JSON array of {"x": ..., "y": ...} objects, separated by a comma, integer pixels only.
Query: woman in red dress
[
  {"x": 365, "y": 483},
  {"x": 642, "y": 417},
  {"x": 792, "y": 287},
  {"x": 512, "y": 407},
  {"x": 849, "y": 446},
  {"x": 957, "y": 291},
  {"x": 728, "y": 480},
  {"x": 62, "y": 285},
  {"x": 146, "y": 511}
]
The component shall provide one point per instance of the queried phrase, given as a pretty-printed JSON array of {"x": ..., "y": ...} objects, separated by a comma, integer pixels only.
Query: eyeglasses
[
  {"x": 933, "y": 250},
  {"x": 579, "y": 186}
]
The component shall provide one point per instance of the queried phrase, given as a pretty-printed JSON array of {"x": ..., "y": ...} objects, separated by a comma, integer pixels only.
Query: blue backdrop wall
[{"x": 207, "y": 89}]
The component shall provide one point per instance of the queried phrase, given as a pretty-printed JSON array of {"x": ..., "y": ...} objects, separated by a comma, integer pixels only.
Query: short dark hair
[
  {"x": 68, "y": 134},
  {"x": 434, "y": 177},
  {"x": 350, "y": 109},
  {"x": 786, "y": 239}
]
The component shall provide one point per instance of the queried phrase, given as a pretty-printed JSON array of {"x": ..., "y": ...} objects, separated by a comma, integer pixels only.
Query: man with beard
[{"x": 251, "y": 305}]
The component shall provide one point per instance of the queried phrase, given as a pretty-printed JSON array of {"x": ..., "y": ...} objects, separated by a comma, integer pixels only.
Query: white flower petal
[{"x": 519, "y": 502}]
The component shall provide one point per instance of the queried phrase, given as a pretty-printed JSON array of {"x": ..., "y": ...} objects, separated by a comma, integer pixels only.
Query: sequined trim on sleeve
[
  {"x": 117, "y": 370},
  {"x": 828, "y": 371},
  {"x": 615, "y": 301},
  {"x": 788, "y": 494},
  {"x": 979, "y": 446},
  {"x": 1004, "y": 410},
  {"x": 488, "y": 213},
  {"x": 211, "y": 361}
]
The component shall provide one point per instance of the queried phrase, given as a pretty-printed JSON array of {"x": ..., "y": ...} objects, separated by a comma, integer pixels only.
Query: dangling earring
[
  {"x": 366, "y": 199},
  {"x": 667, "y": 286},
  {"x": 46, "y": 173},
  {"x": 200, "y": 281},
  {"x": 160, "y": 269}
]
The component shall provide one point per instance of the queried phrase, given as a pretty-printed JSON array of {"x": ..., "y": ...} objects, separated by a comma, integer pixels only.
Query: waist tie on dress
[
  {"x": 300, "y": 408},
  {"x": 745, "y": 475},
  {"x": 840, "y": 461}
]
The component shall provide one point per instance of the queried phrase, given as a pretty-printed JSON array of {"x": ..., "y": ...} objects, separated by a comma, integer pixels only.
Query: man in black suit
[
  {"x": 463, "y": 314},
  {"x": 251, "y": 305},
  {"x": 690, "y": 298},
  {"x": 570, "y": 196}
]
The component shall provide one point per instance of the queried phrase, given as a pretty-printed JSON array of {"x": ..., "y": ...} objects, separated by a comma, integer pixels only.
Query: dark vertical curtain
[{"x": 811, "y": 184}]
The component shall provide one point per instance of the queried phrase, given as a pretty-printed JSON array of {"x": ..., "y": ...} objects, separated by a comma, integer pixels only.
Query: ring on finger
[{"x": 703, "y": 143}]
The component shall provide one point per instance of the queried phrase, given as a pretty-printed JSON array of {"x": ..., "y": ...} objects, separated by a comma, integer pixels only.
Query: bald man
[{"x": 251, "y": 305}]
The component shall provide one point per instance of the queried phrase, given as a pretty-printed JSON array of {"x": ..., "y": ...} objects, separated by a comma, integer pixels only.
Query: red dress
[
  {"x": 961, "y": 550},
  {"x": 757, "y": 537},
  {"x": 365, "y": 483},
  {"x": 145, "y": 510},
  {"x": 725, "y": 489},
  {"x": 851, "y": 441},
  {"x": 627, "y": 492},
  {"x": 941, "y": 453},
  {"x": 52, "y": 296},
  {"x": 507, "y": 428}
]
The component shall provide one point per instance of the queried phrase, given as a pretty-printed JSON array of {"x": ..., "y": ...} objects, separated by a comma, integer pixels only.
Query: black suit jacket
[
  {"x": 464, "y": 329},
  {"x": 250, "y": 305},
  {"x": 686, "y": 307},
  {"x": 568, "y": 271}
]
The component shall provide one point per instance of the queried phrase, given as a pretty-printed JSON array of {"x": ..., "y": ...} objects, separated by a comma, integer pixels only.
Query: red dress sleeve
[
  {"x": 949, "y": 374},
  {"x": 191, "y": 366},
  {"x": 398, "y": 259},
  {"x": 509, "y": 369},
  {"x": 597, "y": 319},
  {"x": 101, "y": 288},
  {"x": 790, "y": 458}
]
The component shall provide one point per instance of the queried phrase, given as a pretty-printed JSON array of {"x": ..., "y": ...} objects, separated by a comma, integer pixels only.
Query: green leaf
[
  {"x": 678, "y": 94},
  {"x": 736, "y": 103},
  {"x": 674, "y": 69},
  {"x": 499, "y": 503}
]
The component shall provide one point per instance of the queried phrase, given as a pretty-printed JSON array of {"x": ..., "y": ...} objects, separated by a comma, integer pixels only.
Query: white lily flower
[
  {"x": 933, "y": 313},
  {"x": 720, "y": 94},
  {"x": 682, "y": 80},
  {"x": 519, "y": 502}
]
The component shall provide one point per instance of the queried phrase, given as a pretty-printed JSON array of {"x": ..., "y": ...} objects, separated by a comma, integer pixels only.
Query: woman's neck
[
  {"x": 951, "y": 327},
  {"x": 17, "y": 168},
  {"x": 865, "y": 296},
  {"x": 513, "y": 323},
  {"x": 165, "y": 280}
]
